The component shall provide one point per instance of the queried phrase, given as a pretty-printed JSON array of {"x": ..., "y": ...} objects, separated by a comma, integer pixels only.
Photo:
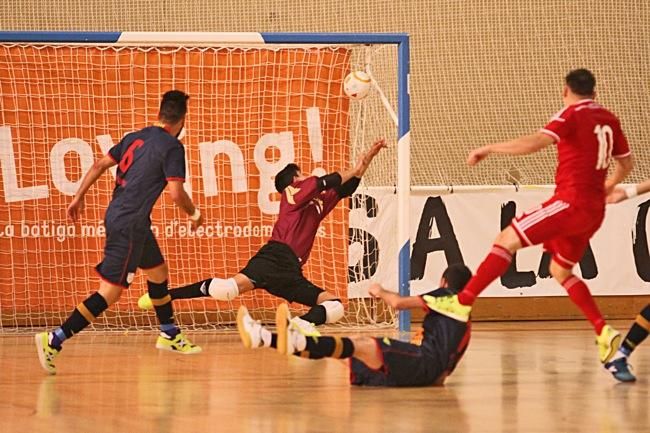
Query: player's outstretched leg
[
  {"x": 194, "y": 290},
  {"x": 330, "y": 310},
  {"x": 291, "y": 341}
]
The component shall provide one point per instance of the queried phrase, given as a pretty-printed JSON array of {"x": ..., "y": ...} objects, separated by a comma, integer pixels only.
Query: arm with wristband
[{"x": 620, "y": 193}]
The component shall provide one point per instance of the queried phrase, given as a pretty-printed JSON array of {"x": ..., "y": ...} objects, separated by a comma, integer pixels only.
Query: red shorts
[{"x": 564, "y": 228}]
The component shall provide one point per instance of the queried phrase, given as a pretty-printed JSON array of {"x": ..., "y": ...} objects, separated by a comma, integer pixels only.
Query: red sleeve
[
  {"x": 559, "y": 126},
  {"x": 115, "y": 152},
  {"x": 302, "y": 192},
  {"x": 621, "y": 147}
]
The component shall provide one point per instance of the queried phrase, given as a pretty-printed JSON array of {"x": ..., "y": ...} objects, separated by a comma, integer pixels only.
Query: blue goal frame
[{"x": 401, "y": 40}]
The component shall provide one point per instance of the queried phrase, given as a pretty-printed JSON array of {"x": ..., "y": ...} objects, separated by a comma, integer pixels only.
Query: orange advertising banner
[{"x": 251, "y": 111}]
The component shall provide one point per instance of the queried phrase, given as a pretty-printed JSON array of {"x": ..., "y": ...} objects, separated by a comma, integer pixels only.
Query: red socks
[
  {"x": 580, "y": 295},
  {"x": 494, "y": 265},
  {"x": 497, "y": 263}
]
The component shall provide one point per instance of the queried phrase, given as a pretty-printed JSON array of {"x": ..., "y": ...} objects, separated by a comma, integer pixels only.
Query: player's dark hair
[
  {"x": 285, "y": 177},
  {"x": 581, "y": 82},
  {"x": 457, "y": 276},
  {"x": 173, "y": 106}
]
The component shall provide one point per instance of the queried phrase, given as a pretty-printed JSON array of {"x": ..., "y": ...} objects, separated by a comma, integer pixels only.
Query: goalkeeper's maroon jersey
[{"x": 302, "y": 207}]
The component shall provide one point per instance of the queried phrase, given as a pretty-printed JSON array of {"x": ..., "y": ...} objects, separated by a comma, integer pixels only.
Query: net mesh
[
  {"x": 252, "y": 110},
  {"x": 481, "y": 70}
]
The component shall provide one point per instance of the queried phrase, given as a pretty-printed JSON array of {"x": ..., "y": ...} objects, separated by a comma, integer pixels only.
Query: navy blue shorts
[
  {"x": 404, "y": 365},
  {"x": 125, "y": 251}
]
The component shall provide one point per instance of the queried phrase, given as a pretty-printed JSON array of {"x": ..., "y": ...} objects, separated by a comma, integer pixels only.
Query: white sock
[
  {"x": 619, "y": 355},
  {"x": 266, "y": 337},
  {"x": 299, "y": 341}
]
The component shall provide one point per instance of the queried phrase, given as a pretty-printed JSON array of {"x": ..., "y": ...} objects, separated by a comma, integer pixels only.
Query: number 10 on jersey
[{"x": 605, "y": 137}]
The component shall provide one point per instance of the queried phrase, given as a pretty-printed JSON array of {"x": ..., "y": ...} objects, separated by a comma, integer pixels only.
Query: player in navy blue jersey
[
  {"x": 147, "y": 161},
  {"x": 277, "y": 266},
  {"x": 377, "y": 361},
  {"x": 640, "y": 329}
]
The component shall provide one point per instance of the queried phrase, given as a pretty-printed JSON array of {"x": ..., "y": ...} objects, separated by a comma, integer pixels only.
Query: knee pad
[
  {"x": 333, "y": 311},
  {"x": 223, "y": 290}
]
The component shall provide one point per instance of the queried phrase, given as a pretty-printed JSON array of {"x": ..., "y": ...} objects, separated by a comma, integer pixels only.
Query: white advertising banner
[{"x": 461, "y": 227}]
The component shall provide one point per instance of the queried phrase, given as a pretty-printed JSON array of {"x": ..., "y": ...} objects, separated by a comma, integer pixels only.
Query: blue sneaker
[{"x": 621, "y": 370}]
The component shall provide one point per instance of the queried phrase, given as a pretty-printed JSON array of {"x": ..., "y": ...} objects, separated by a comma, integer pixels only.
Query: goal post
[{"x": 68, "y": 96}]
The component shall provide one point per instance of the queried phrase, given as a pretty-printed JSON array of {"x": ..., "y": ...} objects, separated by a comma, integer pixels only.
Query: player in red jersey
[
  {"x": 277, "y": 266},
  {"x": 587, "y": 136}
]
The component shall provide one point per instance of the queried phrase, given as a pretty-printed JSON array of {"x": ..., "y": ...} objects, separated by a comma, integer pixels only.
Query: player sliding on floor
[
  {"x": 277, "y": 266},
  {"x": 588, "y": 136},
  {"x": 377, "y": 361},
  {"x": 147, "y": 161},
  {"x": 639, "y": 330}
]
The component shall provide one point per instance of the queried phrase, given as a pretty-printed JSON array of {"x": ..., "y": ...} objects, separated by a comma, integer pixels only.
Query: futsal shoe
[
  {"x": 178, "y": 344},
  {"x": 250, "y": 331},
  {"x": 46, "y": 353},
  {"x": 306, "y": 328},
  {"x": 608, "y": 342},
  {"x": 282, "y": 318},
  {"x": 621, "y": 370},
  {"x": 290, "y": 338},
  {"x": 144, "y": 302},
  {"x": 448, "y": 306}
]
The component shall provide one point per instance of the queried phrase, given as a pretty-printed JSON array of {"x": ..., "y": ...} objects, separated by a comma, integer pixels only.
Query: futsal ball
[{"x": 357, "y": 85}]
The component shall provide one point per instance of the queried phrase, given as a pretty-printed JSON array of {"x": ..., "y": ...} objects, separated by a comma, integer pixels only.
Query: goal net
[{"x": 252, "y": 110}]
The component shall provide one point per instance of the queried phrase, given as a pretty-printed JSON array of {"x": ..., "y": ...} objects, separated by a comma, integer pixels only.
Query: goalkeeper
[{"x": 277, "y": 266}]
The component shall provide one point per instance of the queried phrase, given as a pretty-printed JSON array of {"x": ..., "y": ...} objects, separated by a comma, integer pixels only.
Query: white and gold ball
[{"x": 357, "y": 85}]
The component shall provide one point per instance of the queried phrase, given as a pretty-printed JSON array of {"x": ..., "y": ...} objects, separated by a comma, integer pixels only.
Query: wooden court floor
[{"x": 515, "y": 377}]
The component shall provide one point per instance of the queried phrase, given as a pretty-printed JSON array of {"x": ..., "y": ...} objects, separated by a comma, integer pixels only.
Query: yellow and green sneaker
[
  {"x": 46, "y": 353},
  {"x": 304, "y": 327},
  {"x": 144, "y": 302},
  {"x": 448, "y": 306},
  {"x": 178, "y": 344},
  {"x": 608, "y": 342}
]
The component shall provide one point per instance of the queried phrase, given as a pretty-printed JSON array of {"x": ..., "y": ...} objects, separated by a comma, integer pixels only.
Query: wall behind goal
[{"x": 481, "y": 70}]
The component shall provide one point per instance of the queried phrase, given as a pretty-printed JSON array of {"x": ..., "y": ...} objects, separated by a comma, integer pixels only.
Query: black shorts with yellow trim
[
  {"x": 405, "y": 364},
  {"x": 126, "y": 250}
]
